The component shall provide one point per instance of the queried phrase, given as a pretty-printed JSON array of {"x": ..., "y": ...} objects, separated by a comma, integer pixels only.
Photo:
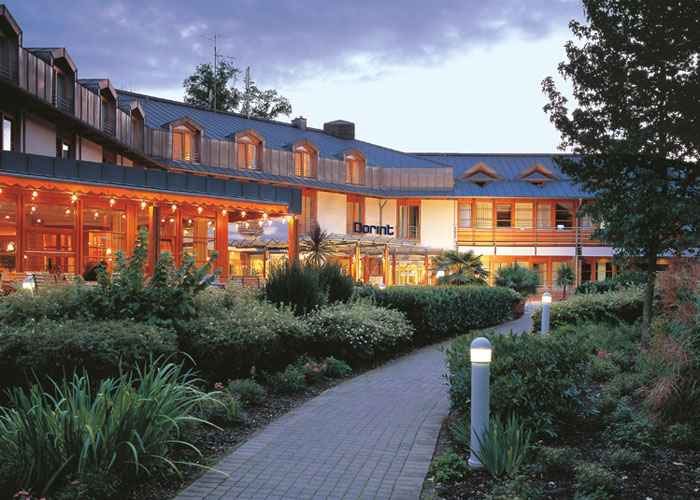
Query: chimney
[
  {"x": 299, "y": 122},
  {"x": 341, "y": 129}
]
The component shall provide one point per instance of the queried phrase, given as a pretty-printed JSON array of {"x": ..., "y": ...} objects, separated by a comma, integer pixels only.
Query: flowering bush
[
  {"x": 247, "y": 391},
  {"x": 357, "y": 332}
]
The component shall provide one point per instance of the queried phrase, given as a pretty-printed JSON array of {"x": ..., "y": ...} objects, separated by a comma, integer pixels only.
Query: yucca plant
[
  {"x": 132, "y": 420},
  {"x": 503, "y": 447}
]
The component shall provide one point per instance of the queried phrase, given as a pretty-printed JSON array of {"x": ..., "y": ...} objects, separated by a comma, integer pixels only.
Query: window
[
  {"x": 104, "y": 232},
  {"x": 409, "y": 222},
  {"x": 465, "y": 215},
  {"x": 564, "y": 216},
  {"x": 64, "y": 148},
  {"x": 484, "y": 215},
  {"x": 586, "y": 272},
  {"x": 8, "y": 234},
  {"x": 107, "y": 117},
  {"x": 308, "y": 212},
  {"x": 304, "y": 162},
  {"x": 544, "y": 216},
  {"x": 50, "y": 235},
  {"x": 248, "y": 153},
  {"x": 503, "y": 215},
  {"x": 185, "y": 144},
  {"x": 354, "y": 212},
  {"x": 523, "y": 215},
  {"x": 136, "y": 132},
  {"x": 541, "y": 268},
  {"x": 354, "y": 170},
  {"x": 604, "y": 271},
  {"x": 8, "y": 133},
  {"x": 198, "y": 237}
]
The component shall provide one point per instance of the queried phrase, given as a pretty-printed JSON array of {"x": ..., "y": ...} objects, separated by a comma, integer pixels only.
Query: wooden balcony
[{"x": 508, "y": 236}]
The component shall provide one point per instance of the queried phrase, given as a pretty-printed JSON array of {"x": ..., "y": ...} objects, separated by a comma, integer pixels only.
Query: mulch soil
[{"x": 664, "y": 473}]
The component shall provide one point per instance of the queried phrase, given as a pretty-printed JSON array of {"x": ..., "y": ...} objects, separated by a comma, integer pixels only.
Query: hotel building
[{"x": 84, "y": 166}]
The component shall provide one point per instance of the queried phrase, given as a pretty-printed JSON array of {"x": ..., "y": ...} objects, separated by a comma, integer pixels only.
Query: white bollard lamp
[
  {"x": 546, "y": 304},
  {"x": 480, "y": 355}
]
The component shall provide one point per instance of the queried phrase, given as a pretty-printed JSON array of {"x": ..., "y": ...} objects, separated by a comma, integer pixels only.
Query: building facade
[{"x": 84, "y": 166}]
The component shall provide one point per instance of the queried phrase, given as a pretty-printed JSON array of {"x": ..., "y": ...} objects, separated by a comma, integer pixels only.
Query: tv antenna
[{"x": 217, "y": 56}]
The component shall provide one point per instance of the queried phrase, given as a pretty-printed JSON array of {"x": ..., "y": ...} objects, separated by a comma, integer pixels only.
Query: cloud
[{"x": 160, "y": 43}]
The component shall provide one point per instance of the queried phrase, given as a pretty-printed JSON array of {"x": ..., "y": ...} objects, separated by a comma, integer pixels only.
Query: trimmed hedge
[
  {"x": 445, "y": 311},
  {"x": 611, "y": 308},
  {"x": 620, "y": 281},
  {"x": 75, "y": 302},
  {"x": 357, "y": 332},
  {"x": 52, "y": 348}
]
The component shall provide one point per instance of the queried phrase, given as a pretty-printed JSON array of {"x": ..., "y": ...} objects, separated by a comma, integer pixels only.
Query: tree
[
  {"x": 317, "y": 246},
  {"x": 199, "y": 90},
  {"x": 516, "y": 277},
  {"x": 566, "y": 276},
  {"x": 461, "y": 268},
  {"x": 636, "y": 82}
]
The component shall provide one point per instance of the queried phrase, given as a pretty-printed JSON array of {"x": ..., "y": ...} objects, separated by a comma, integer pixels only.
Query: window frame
[
  {"x": 305, "y": 159},
  {"x": 246, "y": 144},
  {"x": 465, "y": 222},
  {"x": 355, "y": 167},
  {"x": 189, "y": 135}
]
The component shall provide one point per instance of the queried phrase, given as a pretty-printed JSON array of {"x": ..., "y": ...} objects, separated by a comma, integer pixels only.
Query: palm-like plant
[
  {"x": 316, "y": 245},
  {"x": 566, "y": 276},
  {"x": 516, "y": 277},
  {"x": 461, "y": 268}
]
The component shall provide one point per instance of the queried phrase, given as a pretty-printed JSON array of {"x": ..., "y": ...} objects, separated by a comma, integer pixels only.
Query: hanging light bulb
[
  {"x": 143, "y": 205},
  {"x": 109, "y": 251},
  {"x": 111, "y": 202},
  {"x": 33, "y": 208},
  {"x": 199, "y": 210},
  {"x": 247, "y": 225},
  {"x": 174, "y": 207},
  {"x": 264, "y": 215},
  {"x": 0, "y": 190},
  {"x": 38, "y": 221},
  {"x": 172, "y": 220},
  {"x": 260, "y": 223},
  {"x": 74, "y": 198},
  {"x": 34, "y": 194},
  {"x": 243, "y": 213},
  {"x": 223, "y": 212},
  {"x": 67, "y": 211},
  {"x": 10, "y": 247},
  {"x": 97, "y": 214}
]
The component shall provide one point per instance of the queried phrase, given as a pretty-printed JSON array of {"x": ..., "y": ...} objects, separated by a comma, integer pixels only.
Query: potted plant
[{"x": 522, "y": 280}]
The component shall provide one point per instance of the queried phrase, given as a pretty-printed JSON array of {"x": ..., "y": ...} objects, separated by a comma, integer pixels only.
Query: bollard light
[
  {"x": 546, "y": 303},
  {"x": 480, "y": 354},
  {"x": 28, "y": 283}
]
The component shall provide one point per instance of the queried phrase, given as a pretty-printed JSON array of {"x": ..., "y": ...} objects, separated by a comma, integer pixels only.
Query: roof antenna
[
  {"x": 217, "y": 56},
  {"x": 247, "y": 92}
]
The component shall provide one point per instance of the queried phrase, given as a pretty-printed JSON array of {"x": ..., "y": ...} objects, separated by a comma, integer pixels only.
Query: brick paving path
[{"x": 369, "y": 438}]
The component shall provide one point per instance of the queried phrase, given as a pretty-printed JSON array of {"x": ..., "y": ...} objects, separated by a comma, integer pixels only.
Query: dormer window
[
  {"x": 355, "y": 169},
  {"x": 248, "y": 153},
  {"x": 480, "y": 174},
  {"x": 185, "y": 143},
  {"x": 537, "y": 175},
  {"x": 305, "y": 161}
]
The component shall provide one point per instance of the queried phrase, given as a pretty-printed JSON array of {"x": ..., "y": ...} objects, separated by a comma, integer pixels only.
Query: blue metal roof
[{"x": 278, "y": 135}]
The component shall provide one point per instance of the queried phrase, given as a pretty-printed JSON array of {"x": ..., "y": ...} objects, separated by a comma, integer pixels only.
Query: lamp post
[
  {"x": 546, "y": 303},
  {"x": 480, "y": 354}
]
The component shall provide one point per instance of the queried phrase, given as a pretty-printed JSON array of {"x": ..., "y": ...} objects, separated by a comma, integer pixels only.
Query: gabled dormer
[
  {"x": 108, "y": 102},
  {"x": 537, "y": 174},
  {"x": 480, "y": 174},
  {"x": 186, "y": 136},
  {"x": 138, "y": 120},
  {"x": 305, "y": 158},
  {"x": 249, "y": 148},
  {"x": 10, "y": 41},
  {"x": 66, "y": 74},
  {"x": 355, "y": 166}
]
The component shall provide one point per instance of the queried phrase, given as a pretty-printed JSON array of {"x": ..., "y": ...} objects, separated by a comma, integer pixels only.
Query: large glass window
[
  {"x": 50, "y": 230},
  {"x": 8, "y": 236},
  {"x": 503, "y": 214},
  {"x": 104, "y": 233},
  {"x": 168, "y": 231},
  {"x": 410, "y": 273},
  {"x": 409, "y": 221},
  {"x": 248, "y": 149},
  {"x": 8, "y": 133},
  {"x": 308, "y": 212},
  {"x": 541, "y": 268},
  {"x": 354, "y": 213},
  {"x": 304, "y": 162},
  {"x": 198, "y": 237},
  {"x": 465, "y": 215},
  {"x": 354, "y": 170},
  {"x": 185, "y": 144},
  {"x": 523, "y": 215},
  {"x": 484, "y": 215},
  {"x": 544, "y": 216},
  {"x": 564, "y": 216}
]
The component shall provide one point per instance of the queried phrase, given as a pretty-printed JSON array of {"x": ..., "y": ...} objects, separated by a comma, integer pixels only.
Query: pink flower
[
  {"x": 218, "y": 386},
  {"x": 603, "y": 354},
  {"x": 316, "y": 370},
  {"x": 25, "y": 493},
  {"x": 75, "y": 483}
]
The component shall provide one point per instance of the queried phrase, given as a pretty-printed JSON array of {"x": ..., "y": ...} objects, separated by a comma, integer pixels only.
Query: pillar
[
  {"x": 221, "y": 244},
  {"x": 293, "y": 239}
]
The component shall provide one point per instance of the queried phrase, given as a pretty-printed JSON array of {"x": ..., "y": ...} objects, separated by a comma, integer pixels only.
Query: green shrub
[
  {"x": 625, "y": 384},
  {"x": 622, "y": 280},
  {"x": 636, "y": 434},
  {"x": 623, "y": 413},
  {"x": 558, "y": 461},
  {"x": 316, "y": 369},
  {"x": 602, "y": 369},
  {"x": 220, "y": 408},
  {"x": 539, "y": 379},
  {"x": 132, "y": 421},
  {"x": 226, "y": 341},
  {"x": 624, "y": 458},
  {"x": 448, "y": 467},
  {"x": 247, "y": 391},
  {"x": 621, "y": 343},
  {"x": 517, "y": 488},
  {"x": 357, "y": 332},
  {"x": 94, "y": 484},
  {"x": 444, "y": 311},
  {"x": 54, "y": 348},
  {"x": 336, "y": 368},
  {"x": 334, "y": 283},
  {"x": 518, "y": 278},
  {"x": 605, "y": 402},
  {"x": 290, "y": 381},
  {"x": 295, "y": 285},
  {"x": 594, "y": 477},
  {"x": 503, "y": 446},
  {"x": 680, "y": 435},
  {"x": 48, "y": 303},
  {"x": 612, "y": 308}
]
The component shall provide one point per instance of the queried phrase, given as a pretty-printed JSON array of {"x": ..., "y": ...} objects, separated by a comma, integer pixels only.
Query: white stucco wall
[
  {"x": 90, "y": 151},
  {"x": 437, "y": 221},
  {"x": 40, "y": 136},
  {"x": 389, "y": 213},
  {"x": 330, "y": 212}
]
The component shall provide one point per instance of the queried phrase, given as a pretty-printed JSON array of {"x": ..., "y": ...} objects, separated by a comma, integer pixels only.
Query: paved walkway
[{"x": 369, "y": 438}]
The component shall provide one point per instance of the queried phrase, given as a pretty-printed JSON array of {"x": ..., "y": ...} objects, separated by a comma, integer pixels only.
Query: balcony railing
[
  {"x": 185, "y": 156},
  {"x": 249, "y": 165},
  {"x": 408, "y": 232},
  {"x": 107, "y": 128},
  {"x": 64, "y": 104},
  {"x": 526, "y": 236},
  {"x": 8, "y": 74}
]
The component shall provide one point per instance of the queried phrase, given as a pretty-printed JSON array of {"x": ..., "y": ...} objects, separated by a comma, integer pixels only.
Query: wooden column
[
  {"x": 427, "y": 271},
  {"x": 154, "y": 216},
  {"x": 266, "y": 262},
  {"x": 221, "y": 244},
  {"x": 385, "y": 266},
  {"x": 356, "y": 274},
  {"x": 293, "y": 239}
]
